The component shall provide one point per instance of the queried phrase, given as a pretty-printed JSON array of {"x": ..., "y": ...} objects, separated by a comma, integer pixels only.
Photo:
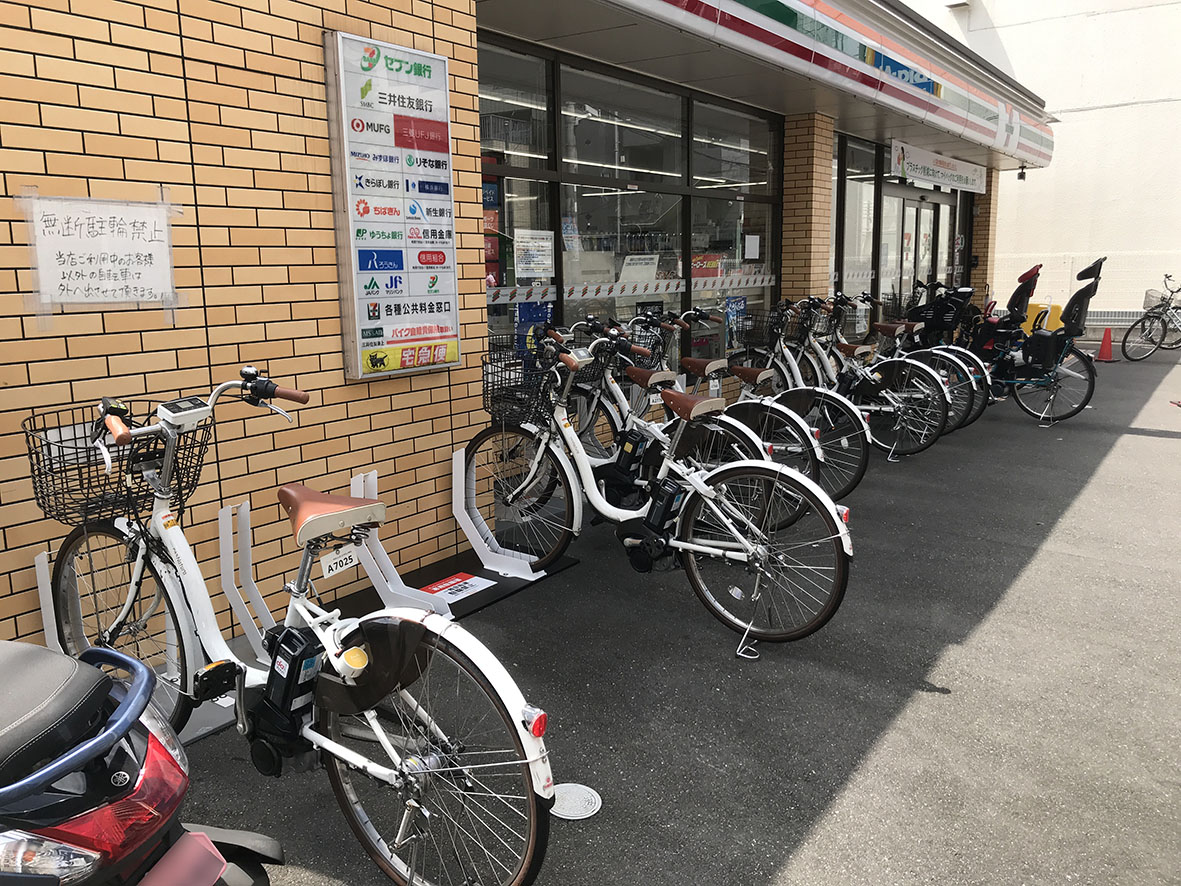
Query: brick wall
[
  {"x": 984, "y": 218},
  {"x": 807, "y": 204},
  {"x": 223, "y": 103}
]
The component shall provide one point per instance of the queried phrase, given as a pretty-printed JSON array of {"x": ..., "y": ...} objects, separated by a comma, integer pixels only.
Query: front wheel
[
  {"x": 517, "y": 494},
  {"x": 794, "y": 582},
  {"x": 91, "y": 586},
  {"x": 468, "y": 811},
  {"x": 1143, "y": 337},
  {"x": 908, "y": 411},
  {"x": 1061, "y": 393},
  {"x": 844, "y": 437},
  {"x": 957, "y": 380}
]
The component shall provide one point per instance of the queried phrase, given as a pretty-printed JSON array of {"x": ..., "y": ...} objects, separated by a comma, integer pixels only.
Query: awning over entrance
[{"x": 879, "y": 70}]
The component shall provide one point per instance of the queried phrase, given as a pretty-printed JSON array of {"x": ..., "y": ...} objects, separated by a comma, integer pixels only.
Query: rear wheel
[
  {"x": 518, "y": 495},
  {"x": 1172, "y": 331},
  {"x": 908, "y": 412},
  {"x": 796, "y": 579},
  {"x": 1143, "y": 337},
  {"x": 91, "y": 585},
  {"x": 785, "y": 436},
  {"x": 982, "y": 396},
  {"x": 843, "y": 437},
  {"x": 1060, "y": 394},
  {"x": 468, "y": 810},
  {"x": 958, "y": 381}
]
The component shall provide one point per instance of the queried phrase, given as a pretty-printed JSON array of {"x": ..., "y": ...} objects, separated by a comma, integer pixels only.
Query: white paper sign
[
  {"x": 533, "y": 253},
  {"x": 395, "y": 215},
  {"x": 639, "y": 268},
  {"x": 101, "y": 251},
  {"x": 458, "y": 586},
  {"x": 751, "y": 247}
]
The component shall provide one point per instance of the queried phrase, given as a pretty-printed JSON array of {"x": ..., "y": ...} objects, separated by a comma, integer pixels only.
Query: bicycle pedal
[{"x": 216, "y": 678}]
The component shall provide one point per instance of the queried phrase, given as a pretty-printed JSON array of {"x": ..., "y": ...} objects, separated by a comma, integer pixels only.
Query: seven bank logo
[
  {"x": 380, "y": 259},
  {"x": 369, "y": 126},
  {"x": 369, "y": 58},
  {"x": 373, "y": 310},
  {"x": 432, "y": 283},
  {"x": 370, "y": 235},
  {"x": 427, "y": 188}
]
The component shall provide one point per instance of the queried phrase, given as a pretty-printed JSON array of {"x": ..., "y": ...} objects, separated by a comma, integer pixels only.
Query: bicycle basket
[
  {"x": 759, "y": 329},
  {"x": 517, "y": 388},
  {"x": 593, "y": 371},
  {"x": 1153, "y": 299},
  {"x": 71, "y": 482},
  {"x": 658, "y": 341}
]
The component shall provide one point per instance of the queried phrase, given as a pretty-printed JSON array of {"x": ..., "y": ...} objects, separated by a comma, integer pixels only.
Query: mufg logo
[{"x": 379, "y": 260}]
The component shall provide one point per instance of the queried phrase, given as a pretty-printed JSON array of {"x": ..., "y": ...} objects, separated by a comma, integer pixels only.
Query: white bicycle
[{"x": 435, "y": 757}]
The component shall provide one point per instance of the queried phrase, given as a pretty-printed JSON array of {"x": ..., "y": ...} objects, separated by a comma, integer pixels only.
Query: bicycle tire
[
  {"x": 734, "y": 606},
  {"x": 983, "y": 393},
  {"x": 958, "y": 381},
  {"x": 458, "y": 799},
  {"x": 1148, "y": 329},
  {"x": 102, "y": 547},
  {"x": 600, "y": 437},
  {"x": 1172, "y": 324},
  {"x": 925, "y": 425},
  {"x": 785, "y": 436},
  {"x": 1030, "y": 391},
  {"x": 539, "y": 524},
  {"x": 844, "y": 437}
]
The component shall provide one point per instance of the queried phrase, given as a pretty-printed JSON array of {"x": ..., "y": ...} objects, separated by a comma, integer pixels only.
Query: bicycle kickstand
[{"x": 746, "y": 648}]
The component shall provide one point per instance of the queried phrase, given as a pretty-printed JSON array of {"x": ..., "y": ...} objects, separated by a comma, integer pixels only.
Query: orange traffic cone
[{"x": 1104, "y": 355}]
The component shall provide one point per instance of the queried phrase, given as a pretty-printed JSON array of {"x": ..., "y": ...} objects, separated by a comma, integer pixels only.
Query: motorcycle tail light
[{"x": 119, "y": 828}]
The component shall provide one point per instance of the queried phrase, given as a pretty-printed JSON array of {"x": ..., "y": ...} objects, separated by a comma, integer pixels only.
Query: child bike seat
[
  {"x": 49, "y": 703},
  {"x": 752, "y": 375},
  {"x": 314, "y": 514},
  {"x": 702, "y": 368},
  {"x": 689, "y": 406},
  {"x": 1032, "y": 272},
  {"x": 650, "y": 378}
]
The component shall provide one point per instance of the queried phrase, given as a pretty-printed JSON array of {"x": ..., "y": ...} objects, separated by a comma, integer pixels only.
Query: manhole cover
[{"x": 575, "y": 801}]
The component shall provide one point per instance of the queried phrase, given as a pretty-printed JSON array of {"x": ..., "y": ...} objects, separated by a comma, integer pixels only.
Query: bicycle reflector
[
  {"x": 535, "y": 720},
  {"x": 844, "y": 512}
]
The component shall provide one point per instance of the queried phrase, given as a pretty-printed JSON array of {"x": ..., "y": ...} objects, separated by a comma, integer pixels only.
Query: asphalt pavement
[{"x": 996, "y": 702}]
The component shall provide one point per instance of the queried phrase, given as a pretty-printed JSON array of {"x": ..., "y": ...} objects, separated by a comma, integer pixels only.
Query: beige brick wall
[
  {"x": 807, "y": 204},
  {"x": 223, "y": 103},
  {"x": 984, "y": 218}
]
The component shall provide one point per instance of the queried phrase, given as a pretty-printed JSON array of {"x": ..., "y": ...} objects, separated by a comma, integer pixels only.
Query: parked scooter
[{"x": 92, "y": 780}]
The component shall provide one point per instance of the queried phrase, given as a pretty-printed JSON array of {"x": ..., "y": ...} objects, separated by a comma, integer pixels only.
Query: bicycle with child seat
[
  {"x": 436, "y": 759},
  {"x": 763, "y": 547},
  {"x": 1048, "y": 376},
  {"x": 1158, "y": 327}
]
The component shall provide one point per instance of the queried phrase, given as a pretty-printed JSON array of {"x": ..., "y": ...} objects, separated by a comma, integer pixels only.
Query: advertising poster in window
[{"x": 389, "y": 113}]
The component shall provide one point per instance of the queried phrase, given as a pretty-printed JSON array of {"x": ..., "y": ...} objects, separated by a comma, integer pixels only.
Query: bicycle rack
[
  {"x": 494, "y": 558},
  {"x": 379, "y": 569}
]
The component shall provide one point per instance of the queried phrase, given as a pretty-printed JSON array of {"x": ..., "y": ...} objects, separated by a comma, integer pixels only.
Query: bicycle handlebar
[{"x": 118, "y": 429}]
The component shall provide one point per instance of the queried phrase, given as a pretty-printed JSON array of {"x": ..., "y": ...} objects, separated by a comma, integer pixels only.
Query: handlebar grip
[
  {"x": 295, "y": 396},
  {"x": 555, "y": 335},
  {"x": 568, "y": 361},
  {"x": 118, "y": 429},
  {"x": 667, "y": 327},
  {"x": 643, "y": 352},
  {"x": 717, "y": 319},
  {"x": 681, "y": 324}
]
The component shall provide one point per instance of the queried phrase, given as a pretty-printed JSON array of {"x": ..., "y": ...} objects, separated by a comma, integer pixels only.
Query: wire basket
[
  {"x": 758, "y": 329},
  {"x": 658, "y": 341},
  {"x": 1153, "y": 299},
  {"x": 71, "y": 482},
  {"x": 517, "y": 388}
]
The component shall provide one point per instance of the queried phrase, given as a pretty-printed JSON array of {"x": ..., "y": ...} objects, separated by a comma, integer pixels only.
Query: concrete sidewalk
[{"x": 996, "y": 701}]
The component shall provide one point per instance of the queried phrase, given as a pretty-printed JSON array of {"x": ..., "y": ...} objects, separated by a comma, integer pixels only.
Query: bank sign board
[
  {"x": 914, "y": 163},
  {"x": 389, "y": 113}
]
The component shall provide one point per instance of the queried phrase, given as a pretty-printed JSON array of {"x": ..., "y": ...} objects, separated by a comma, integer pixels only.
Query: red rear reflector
[
  {"x": 535, "y": 719},
  {"x": 844, "y": 512}
]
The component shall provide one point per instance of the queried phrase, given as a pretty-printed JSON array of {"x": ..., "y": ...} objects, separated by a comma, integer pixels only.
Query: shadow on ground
[{"x": 717, "y": 770}]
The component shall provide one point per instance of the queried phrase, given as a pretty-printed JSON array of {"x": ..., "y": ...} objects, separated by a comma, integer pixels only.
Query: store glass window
[
  {"x": 620, "y": 248},
  {"x": 731, "y": 150},
  {"x": 860, "y": 165},
  {"x": 832, "y": 230},
  {"x": 620, "y": 130},
  {"x": 514, "y": 121},
  {"x": 518, "y": 249}
]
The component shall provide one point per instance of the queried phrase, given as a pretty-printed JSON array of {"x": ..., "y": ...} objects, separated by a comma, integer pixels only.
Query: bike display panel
[{"x": 390, "y": 144}]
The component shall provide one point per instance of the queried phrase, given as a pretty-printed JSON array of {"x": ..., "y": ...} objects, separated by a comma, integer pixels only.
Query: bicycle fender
[
  {"x": 502, "y": 683},
  {"x": 742, "y": 429},
  {"x": 825, "y": 392},
  {"x": 746, "y": 411},
  {"x": 842, "y": 528},
  {"x": 567, "y": 466}
]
